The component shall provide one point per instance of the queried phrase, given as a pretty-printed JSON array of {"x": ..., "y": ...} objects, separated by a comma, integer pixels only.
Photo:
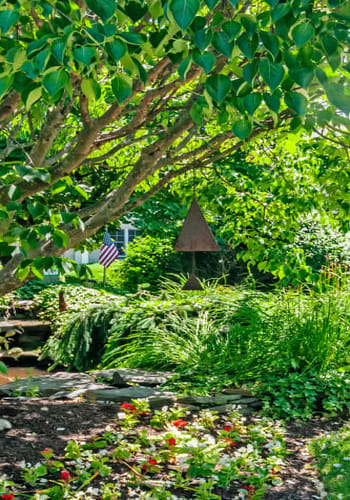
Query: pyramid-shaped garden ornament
[{"x": 195, "y": 236}]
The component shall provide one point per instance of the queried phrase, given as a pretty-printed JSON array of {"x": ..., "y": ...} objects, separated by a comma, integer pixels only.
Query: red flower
[
  {"x": 249, "y": 488},
  {"x": 128, "y": 407},
  {"x": 227, "y": 428},
  {"x": 230, "y": 442},
  {"x": 65, "y": 475},
  {"x": 172, "y": 441},
  {"x": 180, "y": 423},
  {"x": 7, "y": 496},
  {"x": 152, "y": 461}
]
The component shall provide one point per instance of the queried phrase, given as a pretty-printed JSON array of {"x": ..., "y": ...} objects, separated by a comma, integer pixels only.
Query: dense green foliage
[
  {"x": 332, "y": 458},
  {"x": 79, "y": 299},
  {"x": 147, "y": 262},
  {"x": 102, "y": 104},
  {"x": 289, "y": 344}
]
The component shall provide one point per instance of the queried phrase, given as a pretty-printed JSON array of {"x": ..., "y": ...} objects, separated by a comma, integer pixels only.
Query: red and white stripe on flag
[{"x": 108, "y": 252}]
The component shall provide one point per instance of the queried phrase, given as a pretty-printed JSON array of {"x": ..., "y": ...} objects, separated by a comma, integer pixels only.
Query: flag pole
[{"x": 104, "y": 267}]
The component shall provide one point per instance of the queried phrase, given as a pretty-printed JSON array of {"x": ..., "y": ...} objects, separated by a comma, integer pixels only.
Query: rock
[
  {"x": 208, "y": 401},
  {"x": 155, "y": 397},
  {"x": 75, "y": 393},
  {"x": 4, "y": 425},
  {"x": 47, "y": 384},
  {"x": 243, "y": 410},
  {"x": 141, "y": 377},
  {"x": 237, "y": 391}
]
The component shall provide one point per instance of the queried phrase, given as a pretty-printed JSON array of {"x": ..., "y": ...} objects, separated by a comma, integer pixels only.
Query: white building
[{"x": 123, "y": 237}]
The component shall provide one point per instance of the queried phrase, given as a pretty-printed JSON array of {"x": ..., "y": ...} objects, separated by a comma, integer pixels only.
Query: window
[
  {"x": 119, "y": 238},
  {"x": 132, "y": 234}
]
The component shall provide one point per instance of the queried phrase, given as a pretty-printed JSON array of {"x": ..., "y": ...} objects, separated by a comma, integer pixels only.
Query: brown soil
[
  {"x": 20, "y": 373},
  {"x": 37, "y": 424}
]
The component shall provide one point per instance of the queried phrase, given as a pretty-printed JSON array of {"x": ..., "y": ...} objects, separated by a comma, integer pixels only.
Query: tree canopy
[{"x": 104, "y": 103}]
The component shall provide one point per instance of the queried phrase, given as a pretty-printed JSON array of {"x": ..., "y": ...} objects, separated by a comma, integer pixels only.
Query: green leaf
[
  {"x": 5, "y": 84},
  {"x": 218, "y": 86},
  {"x": 14, "y": 192},
  {"x": 33, "y": 96},
  {"x": 58, "y": 48},
  {"x": 55, "y": 81},
  {"x": 40, "y": 275},
  {"x": 134, "y": 10},
  {"x": 296, "y": 101},
  {"x": 82, "y": 192},
  {"x": 250, "y": 70},
  {"x": 7, "y": 19},
  {"x": 91, "y": 89},
  {"x": 272, "y": 73},
  {"x": 303, "y": 76},
  {"x": 84, "y": 55},
  {"x": 231, "y": 28},
  {"x": 202, "y": 38},
  {"x": 21, "y": 274},
  {"x": 273, "y": 101},
  {"x": 252, "y": 102},
  {"x": 337, "y": 97},
  {"x": 211, "y": 3},
  {"x": 248, "y": 45},
  {"x": 60, "y": 238},
  {"x": 103, "y": 8},
  {"x": 141, "y": 70},
  {"x": 205, "y": 60},
  {"x": 122, "y": 87},
  {"x": 222, "y": 43},
  {"x": 133, "y": 38},
  {"x": 242, "y": 129},
  {"x": 302, "y": 33},
  {"x": 271, "y": 42},
  {"x": 117, "y": 49},
  {"x": 184, "y": 11},
  {"x": 3, "y": 368},
  {"x": 184, "y": 67},
  {"x": 280, "y": 11},
  {"x": 36, "y": 209}
]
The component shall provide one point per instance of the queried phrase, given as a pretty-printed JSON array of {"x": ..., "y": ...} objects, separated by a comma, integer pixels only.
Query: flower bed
[{"x": 163, "y": 454}]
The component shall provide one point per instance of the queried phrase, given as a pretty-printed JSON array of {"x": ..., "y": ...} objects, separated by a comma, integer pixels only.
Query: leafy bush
[
  {"x": 31, "y": 289},
  {"x": 300, "y": 395},
  {"x": 79, "y": 301},
  {"x": 147, "y": 261},
  {"x": 322, "y": 244},
  {"x": 332, "y": 452},
  {"x": 244, "y": 334}
]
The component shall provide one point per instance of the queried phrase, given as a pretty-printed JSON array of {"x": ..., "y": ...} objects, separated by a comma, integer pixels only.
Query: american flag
[{"x": 109, "y": 252}]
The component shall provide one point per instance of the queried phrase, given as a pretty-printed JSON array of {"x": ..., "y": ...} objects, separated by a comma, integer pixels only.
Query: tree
[{"x": 105, "y": 103}]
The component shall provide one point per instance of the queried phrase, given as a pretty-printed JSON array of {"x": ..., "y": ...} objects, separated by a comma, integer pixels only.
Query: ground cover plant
[
  {"x": 160, "y": 454},
  {"x": 332, "y": 459}
]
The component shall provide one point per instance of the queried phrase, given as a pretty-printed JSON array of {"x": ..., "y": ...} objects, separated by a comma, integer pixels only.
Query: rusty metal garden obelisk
[{"x": 195, "y": 236}]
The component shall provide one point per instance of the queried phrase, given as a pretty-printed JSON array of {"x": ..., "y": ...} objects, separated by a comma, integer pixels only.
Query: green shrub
[
  {"x": 147, "y": 261},
  {"x": 245, "y": 334},
  {"x": 301, "y": 395},
  {"x": 79, "y": 301},
  {"x": 332, "y": 452}
]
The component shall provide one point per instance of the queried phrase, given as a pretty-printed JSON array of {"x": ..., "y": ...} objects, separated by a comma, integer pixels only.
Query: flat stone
[
  {"x": 75, "y": 393},
  {"x": 47, "y": 384},
  {"x": 238, "y": 391},
  {"x": 4, "y": 425},
  {"x": 207, "y": 400},
  {"x": 243, "y": 410},
  {"x": 155, "y": 397},
  {"x": 141, "y": 377}
]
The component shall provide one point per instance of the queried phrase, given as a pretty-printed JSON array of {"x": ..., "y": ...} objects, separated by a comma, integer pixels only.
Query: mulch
[{"x": 37, "y": 424}]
